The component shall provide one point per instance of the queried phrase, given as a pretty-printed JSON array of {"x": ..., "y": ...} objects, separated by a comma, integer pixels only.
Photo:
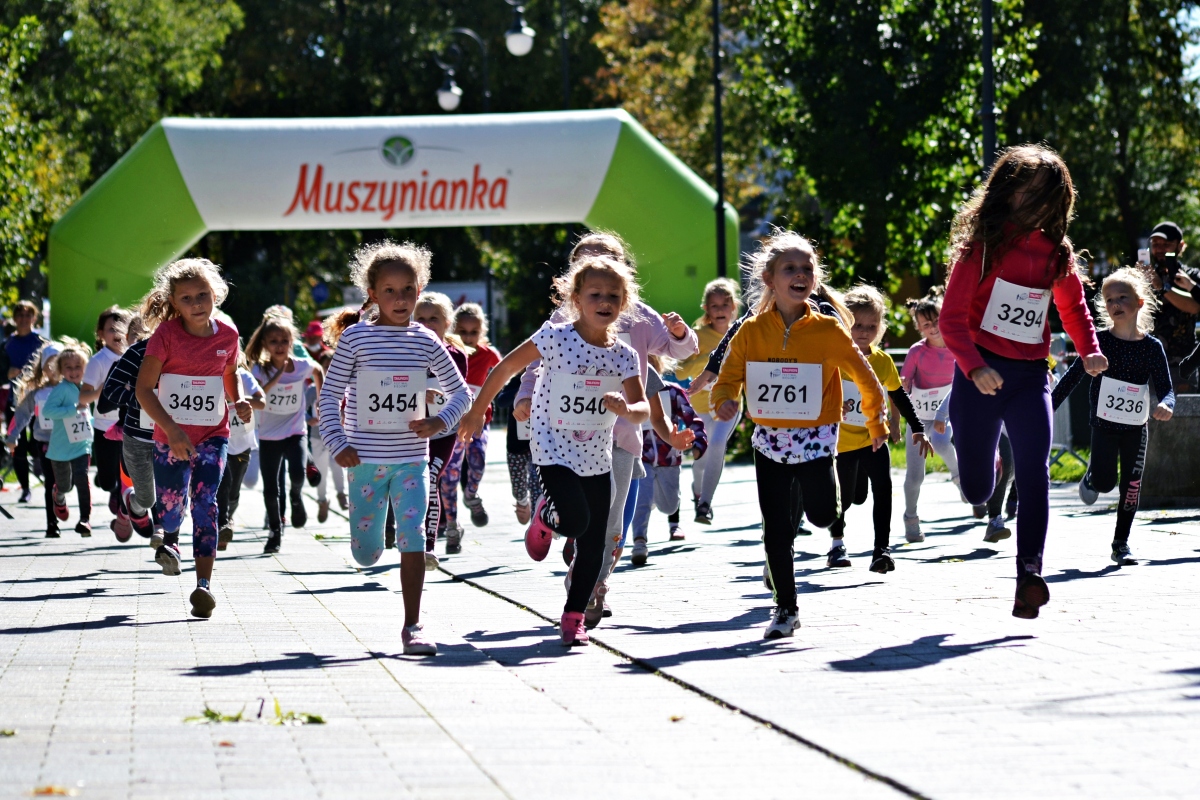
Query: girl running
[
  {"x": 281, "y": 425},
  {"x": 69, "y": 452},
  {"x": 32, "y": 388},
  {"x": 926, "y": 375},
  {"x": 789, "y": 358},
  {"x": 1009, "y": 254},
  {"x": 106, "y": 452},
  {"x": 379, "y": 370},
  {"x": 720, "y": 306},
  {"x": 857, "y": 462},
  {"x": 243, "y": 440},
  {"x": 189, "y": 370},
  {"x": 470, "y": 323},
  {"x": 522, "y": 474},
  {"x": 584, "y": 369},
  {"x": 1120, "y": 400}
]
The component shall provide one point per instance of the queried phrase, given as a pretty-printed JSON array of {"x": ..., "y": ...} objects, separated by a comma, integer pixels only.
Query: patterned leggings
[
  {"x": 476, "y": 459},
  {"x": 198, "y": 479},
  {"x": 448, "y": 484},
  {"x": 371, "y": 487},
  {"x": 522, "y": 474}
]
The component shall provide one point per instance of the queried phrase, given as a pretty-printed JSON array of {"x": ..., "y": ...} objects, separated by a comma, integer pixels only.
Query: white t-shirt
[
  {"x": 277, "y": 425},
  {"x": 240, "y": 443},
  {"x": 94, "y": 375},
  {"x": 584, "y": 452}
]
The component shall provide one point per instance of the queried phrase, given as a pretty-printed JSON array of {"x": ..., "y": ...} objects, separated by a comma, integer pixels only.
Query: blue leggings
[
  {"x": 371, "y": 487},
  {"x": 198, "y": 479}
]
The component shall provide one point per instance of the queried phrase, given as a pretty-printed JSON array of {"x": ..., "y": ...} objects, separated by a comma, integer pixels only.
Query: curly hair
[
  {"x": 156, "y": 306},
  {"x": 365, "y": 265}
]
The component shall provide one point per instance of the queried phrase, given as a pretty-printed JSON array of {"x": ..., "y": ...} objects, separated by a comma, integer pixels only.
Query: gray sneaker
[
  {"x": 1087, "y": 494},
  {"x": 593, "y": 613},
  {"x": 431, "y": 562},
  {"x": 203, "y": 602},
  {"x": 479, "y": 516},
  {"x": 640, "y": 552},
  {"x": 1122, "y": 556},
  {"x": 996, "y": 530},
  {"x": 783, "y": 624},
  {"x": 837, "y": 557},
  {"x": 454, "y": 536},
  {"x": 912, "y": 529}
]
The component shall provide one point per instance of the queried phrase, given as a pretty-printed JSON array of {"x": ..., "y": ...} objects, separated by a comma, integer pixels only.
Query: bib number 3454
[{"x": 389, "y": 399}]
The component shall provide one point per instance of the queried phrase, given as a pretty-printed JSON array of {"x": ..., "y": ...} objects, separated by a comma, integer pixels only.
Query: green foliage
[{"x": 211, "y": 716}]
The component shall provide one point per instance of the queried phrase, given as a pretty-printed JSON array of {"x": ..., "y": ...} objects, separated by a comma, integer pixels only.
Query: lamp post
[
  {"x": 989, "y": 112},
  {"x": 519, "y": 36},
  {"x": 450, "y": 94},
  {"x": 718, "y": 135}
]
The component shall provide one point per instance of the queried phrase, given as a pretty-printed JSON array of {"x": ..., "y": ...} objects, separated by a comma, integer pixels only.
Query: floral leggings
[
  {"x": 371, "y": 486},
  {"x": 475, "y": 459},
  {"x": 197, "y": 479},
  {"x": 522, "y": 474},
  {"x": 448, "y": 484}
]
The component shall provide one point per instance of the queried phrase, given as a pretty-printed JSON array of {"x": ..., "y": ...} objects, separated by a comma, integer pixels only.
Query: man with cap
[
  {"x": 1175, "y": 320},
  {"x": 314, "y": 343}
]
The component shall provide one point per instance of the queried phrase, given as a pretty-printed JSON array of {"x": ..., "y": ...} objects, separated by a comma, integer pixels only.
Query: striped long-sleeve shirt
[
  {"x": 119, "y": 391},
  {"x": 369, "y": 347}
]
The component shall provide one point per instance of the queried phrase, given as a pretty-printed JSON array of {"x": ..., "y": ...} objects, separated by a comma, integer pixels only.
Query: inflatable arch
[{"x": 186, "y": 177}]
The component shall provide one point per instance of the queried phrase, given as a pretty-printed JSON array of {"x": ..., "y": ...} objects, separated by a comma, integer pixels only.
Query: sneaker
[
  {"x": 343, "y": 503},
  {"x": 1122, "y": 556},
  {"x": 912, "y": 530},
  {"x": 479, "y": 516},
  {"x": 802, "y": 531},
  {"x": 523, "y": 510},
  {"x": 53, "y": 534},
  {"x": 783, "y": 625},
  {"x": 593, "y": 613},
  {"x": 83, "y": 528},
  {"x": 574, "y": 632},
  {"x": 1087, "y": 495},
  {"x": 203, "y": 602},
  {"x": 299, "y": 516},
  {"x": 114, "y": 503},
  {"x": 539, "y": 535},
  {"x": 25, "y": 497},
  {"x": 454, "y": 537},
  {"x": 996, "y": 530},
  {"x": 60, "y": 509},
  {"x": 958, "y": 485},
  {"x": 322, "y": 511},
  {"x": 313, "y": 474},
  {"x": 837, "y": 557},
  {"x": 676, "y": 534},
  {"x": 882, "y": 562},
  {"x": 156, "y": 539},
  {"x": 704, "y": 513},
  {"x": 431, "y": 562},
  {"x": 1032, "y": 594},
  {"x": 979, "y": 512},
  {"x": 224, "y": 537},
  {"x": 274, "y": 542},
  {"x": 167, "y": 557},
  {"x": 143, "y": 526},
  {"x": 640, "y": 552},
  {"x": 568, "y": 553},
  {"x": 416, "y": 643},
  {"x": 122, "y": 527}
]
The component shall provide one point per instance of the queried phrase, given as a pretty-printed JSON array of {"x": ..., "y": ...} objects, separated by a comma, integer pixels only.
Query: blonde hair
[
  {"x": 72, "y": 347},
  {"x": 271, "y": 323},
  {"x": 365, "y": 266},
  {"x": 608, "y": 241},
  {"x": 156, "y": 306},
  {"x": 864, "y": 297},
  {"x": 760, "y": 294},
  {"x": 663, "y": 364},
  {"x": 568, "y": 286},
  {"x": 723, "y": 286},
  {"x": 473, "y": 311},
  {"x": 1136, "y": 280},
  {"x": 445, "y": 309},
  {"x": 41, "y": 370}
]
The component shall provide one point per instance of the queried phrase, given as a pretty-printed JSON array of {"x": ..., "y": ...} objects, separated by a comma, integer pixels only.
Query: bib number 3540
[
  {"x": 577, "y": 401},
  {"x": 784, "y": 391},
  {"x": 389, "y": 399}
]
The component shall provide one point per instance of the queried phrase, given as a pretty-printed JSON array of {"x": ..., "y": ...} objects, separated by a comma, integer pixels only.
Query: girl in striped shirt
[{"x": 379, "y": 370}]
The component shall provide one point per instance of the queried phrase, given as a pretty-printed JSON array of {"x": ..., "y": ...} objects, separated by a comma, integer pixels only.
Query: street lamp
[
  {"x": 451, "y": 93},
  {"x": 718, "y": 136},
  {"x": 519, "y": 36}
]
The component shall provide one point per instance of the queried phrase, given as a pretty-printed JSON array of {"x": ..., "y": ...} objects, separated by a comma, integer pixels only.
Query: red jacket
[
  {"x": 479, "y": 365},
  {"x": 1028, "y": 261}
]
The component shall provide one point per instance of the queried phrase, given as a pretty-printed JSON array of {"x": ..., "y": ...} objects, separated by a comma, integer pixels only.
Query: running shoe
[
  {"x": 274, "y": 542},
  {"x": 114, "y": 502},
  {"x": 479, "y": 516},
  {"x": 539, "y": 535},
  {"x": 1032, "y": 594},
  {"x": 783, "y": 625},
  {"x": 574, "y": 632},
  {"x": 143, "y": 526},
  {"x": 837, "y": 557},
  {"x": 640, "y": 552},
  {"x": 60, "y": 509},
  {"x": 1122, "y": 556},
  {"x": 167, "y": 557},
  {"x": 523, "y": 510},
  {"x": 996, "y": 530},
  {"x": 454, "y": 537},
  {"x": 568, "y": 552},
  {"x": 431, "y": 561},
  {"x": 1087, "y": 495},
  {"x": 54, "y": 534},
  {"x": 121, "y": 527},
  {"x": 912, "y": 530},
  {"x": 322, "y": 511},
  {"x": 676, "y": 534},
  {"x": 343, "y": 503},
  {"x": 593, "y": 613},
  {"x": 881, "y": 561},
  {"x": 416, "y": 643},
  {"x": 25, "y": 497},
  {"x": 313, "y": 474},
  {"x": 704, "y": 513},
  {"x": 224, "y": 537},
  {"x": 156, "y": 539},
  {"x": 299, "y": 516},
  {"x": 979, "y": 511},
  {"x": 83, "y": 528},
  {"x": 203, "y": 602}
]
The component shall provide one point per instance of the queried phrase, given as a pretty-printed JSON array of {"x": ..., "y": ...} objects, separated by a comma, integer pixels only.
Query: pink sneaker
[
  {"x": 416, "y": 643},
  {"x": 121, "y": 526},
  {"x": 538, "y": 535},
  {"x": 574, "y": 633}
]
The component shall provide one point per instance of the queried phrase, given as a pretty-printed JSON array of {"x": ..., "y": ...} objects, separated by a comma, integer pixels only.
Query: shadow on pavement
[
  {"x": 1076, "y": 574},
  {"x": 746, "y": 619},
  {"x": 542, "y": 651},
  {"x": 87, "y": 593},
  {"x": 354, "y": 587},
  {"x": 923, "y": 652},
  {"x": 489, "y": 572},
  {"x": 753, "y": 649},
  {"x": 975, "y": 555},
  {"x": 290, "y": 661},
  {"x": 62, "y": 579}
]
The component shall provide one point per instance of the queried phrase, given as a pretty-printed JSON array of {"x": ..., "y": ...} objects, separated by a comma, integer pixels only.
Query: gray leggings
[
  {"x": 914, "y": 474},
  {"x": 138, "y": 455},
  {"x": 624, "y": 465}
]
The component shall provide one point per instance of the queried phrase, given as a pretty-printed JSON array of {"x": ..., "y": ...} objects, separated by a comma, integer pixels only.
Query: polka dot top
[{"x": 1142, "y": 361}]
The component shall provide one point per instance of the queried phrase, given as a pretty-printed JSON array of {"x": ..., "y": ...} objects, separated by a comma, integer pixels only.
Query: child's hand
[
  {"x": 727, "y": 411},
  {"x": 347, "y": 458},
  {"x": 906, "y": 384},
  {"x": 522, "y": 409},
  {"x": 1094, "y": 365},
  {"x": 432, "y": 395},
  {"x": 426, "y": 428},
  {"x": 701, "y": 383},
  {"x": 876, "y": 442},
  {"x": 181, "y": 446},
  {"x": 81, "y": 406},
  {"x": 939, "y": 426},
  {"x": 12, "y": 449},
  {"x": 987, "y": 380},
  {"x": 923, "y": 444},
  {"x": 675, "y": 324},
  {"x": 682, "y": 440},
  {"x": 1162, "y": 413},
  {"x": 615, "y": 402},
  {"x": 244, "y": 411},
  {"x": 471, "y": 424},
  {"x": 894, "y": 433}
]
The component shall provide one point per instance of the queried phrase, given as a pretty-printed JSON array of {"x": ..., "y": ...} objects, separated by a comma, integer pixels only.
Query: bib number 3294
[
  {"x": 577, "y": 401},
  {"x": 389, "y": 399},
  {"x": 1016, "y": 312},
  {"x": 1126, "y": 403},
  {"x": 784, "y": 391},
  {"x": 193, "y": 400}
]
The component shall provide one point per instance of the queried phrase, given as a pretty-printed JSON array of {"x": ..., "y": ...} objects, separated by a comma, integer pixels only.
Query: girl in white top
[
  {"x": 243, "y": 440},
  {"x": 281, "y": 424},
  {"x": 106, "y": 452},
  {"x": 379, "y": 370},
  {"x": 577, "y": 398}
]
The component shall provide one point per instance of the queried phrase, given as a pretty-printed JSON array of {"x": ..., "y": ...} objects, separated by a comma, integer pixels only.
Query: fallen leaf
[
  {"x": 676, "y": 717},
  {"x": 225, "y": 744},
  {"x": 54, "y": 791},
  {"x": 6, "y": 732}
]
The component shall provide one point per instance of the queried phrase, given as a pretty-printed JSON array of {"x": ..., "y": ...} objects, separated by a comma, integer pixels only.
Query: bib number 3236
[
  {"x": 1126, "y": 403},
  {"x": 1016, "y": 312},
  {"x": 577, "y": 401},
  {"x": 193, "y": 400},
  {"x": 784, "y": 391},
  {"x": 389, "y": 399}
]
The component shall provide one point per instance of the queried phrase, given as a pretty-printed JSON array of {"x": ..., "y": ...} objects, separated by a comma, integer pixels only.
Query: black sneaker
[
  {"x": 299, "y": 516},
  {"x": 802, "y": 531},
  {"x": 837, "y": 557},
  {"x": 1032, "y": 594},
  {"x": 25, "y": 496},
  {"x": 979, "y": 511},
  {"x": 1122, "y": 556},
  {"x": 203, "y": 602},
  {"x": 167, "y": 557},
  {"x": 704, "y": 513},
  {"x": 224, "y": 537},
  {"x": 881, "y": 562},
  {"x": 273, "y": 543},
  {"x": 83, "y": 528},
  {"x": 479, "y": 516},
  {"x": 53, "y": 535}
]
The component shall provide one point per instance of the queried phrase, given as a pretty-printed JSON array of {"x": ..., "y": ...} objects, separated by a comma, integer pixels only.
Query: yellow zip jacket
[{"x": 812, "y": 339}]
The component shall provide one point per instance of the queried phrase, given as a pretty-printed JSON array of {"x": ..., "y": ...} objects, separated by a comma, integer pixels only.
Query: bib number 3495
[
  {"x": 784, "y": 391},
  {"x": 1017, "y": 313},
  {"x": 389, "y": 399},
  {"x": 193, "y": 400}
]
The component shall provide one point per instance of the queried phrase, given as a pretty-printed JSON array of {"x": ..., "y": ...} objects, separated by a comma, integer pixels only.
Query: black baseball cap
[{"x": 1169, "y": 231}]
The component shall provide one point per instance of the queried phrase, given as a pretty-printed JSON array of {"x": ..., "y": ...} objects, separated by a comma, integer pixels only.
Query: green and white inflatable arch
[{"x": 186, "y": 177}]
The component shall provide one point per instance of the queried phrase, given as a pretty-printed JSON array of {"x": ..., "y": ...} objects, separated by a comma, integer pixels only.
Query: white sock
[{"x": 836, "y": 543}]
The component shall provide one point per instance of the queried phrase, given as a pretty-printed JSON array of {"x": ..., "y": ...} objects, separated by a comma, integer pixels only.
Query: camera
[{"x": 1167, "y": 269}]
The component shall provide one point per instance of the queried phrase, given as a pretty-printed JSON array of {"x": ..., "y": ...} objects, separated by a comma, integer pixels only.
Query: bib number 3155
[
  {"x": 389, "y": 399},
  {"x": 784, "y": 391}
]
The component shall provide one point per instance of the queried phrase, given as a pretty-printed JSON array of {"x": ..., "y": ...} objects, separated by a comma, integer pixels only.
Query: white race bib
[
  {"x": 783, "y": 391},
  {"x": 241, "y": 434},
  {"x": 1016, "y": 312},
  {"x": 144, "y": 421},
  {"x": 285, "y": 398},
  {"x": 389, "y": 398},
  {"x": 193, "y": 400},
  {"x": 852, "y": 413},
  {"x": 44, "y": 423},
  {"x": 524, "y": 431},
  {"x": 439, "y": 399},
  {"x": 79, "y": 428},
  {"x": 926, "y": 402},
  {"x": 577, "y": 401},
  {"x": 1126, "y": 403}
]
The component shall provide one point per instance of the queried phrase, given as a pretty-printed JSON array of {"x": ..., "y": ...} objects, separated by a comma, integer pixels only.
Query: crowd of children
[{"x": 608, "y": 396}]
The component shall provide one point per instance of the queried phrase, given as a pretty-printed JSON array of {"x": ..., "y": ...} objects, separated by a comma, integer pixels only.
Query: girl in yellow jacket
[{"x": 791, "y": 361}]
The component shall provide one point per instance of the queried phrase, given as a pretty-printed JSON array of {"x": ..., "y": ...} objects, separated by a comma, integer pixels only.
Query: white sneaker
[
  {"x": 958, "y": 485},
  {"x": 996, "y": 530},
  {"x": 416, "y": 643},
  {"x": 640, "y": 552},
  {"x": 1087, "y": 494},
  {"x": 431, "y": 562},
  {"x": 912, "y": 529},
  {"x": 783, "y": 624}
]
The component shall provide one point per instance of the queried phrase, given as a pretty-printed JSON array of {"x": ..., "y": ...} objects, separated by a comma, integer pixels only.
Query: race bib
[
  {"x": 241, "y": 434},
  {"x": 852, "y": 413},
  {"x": 1126, "y": 403},
  {"x": 144, "y": 420},
  {"x": 389, "y": 399},
  {"x": 79, "y": 428},
  {"x": 439, "y": 399},
  {"x": 784, "y": 391},
  {"x": 577, "y": 401},
  {"x": 926, "y": 402},
  {"x": 44, "y": 423},
  {"x": 192, "y": 400},
  {"x": 285, "y": 398},
  {"x": 1017, "y": 313},
  {"x": 524, "y": 431}
]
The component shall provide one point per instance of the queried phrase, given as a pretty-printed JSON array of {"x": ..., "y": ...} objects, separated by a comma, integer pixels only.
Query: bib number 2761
[{"x": 784, "y": 391}]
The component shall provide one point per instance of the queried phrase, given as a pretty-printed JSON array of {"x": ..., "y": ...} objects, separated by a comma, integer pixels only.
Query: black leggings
[
  {"x": 25, "y": 448},
  {"x": 271, "y": 455},
  {"x": 106, "y": 453},
  {"x": 38, "y": 449},
  {"x": 855, "y": 469},
  {"x": 1130, "y": 446},
  {"x": 230, "y": 492},
  {"x": 74, "y": 474},
  {"x": 577, "y": 507},
  {"x": 819, "y": 493},
  {"x": 995, "y": 503}
]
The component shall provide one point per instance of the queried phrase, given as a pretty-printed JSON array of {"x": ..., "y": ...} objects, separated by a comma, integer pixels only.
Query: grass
[{"x": 211, "y": 716}]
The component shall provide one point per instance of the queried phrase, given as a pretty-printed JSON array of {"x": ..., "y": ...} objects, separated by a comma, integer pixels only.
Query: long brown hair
[
  {"x": 257, "y": 344},
  {"x": 156, "y": 306}
]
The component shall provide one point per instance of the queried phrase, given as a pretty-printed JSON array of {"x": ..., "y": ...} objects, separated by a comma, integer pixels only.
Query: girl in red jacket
[{"x": 1009, "y": 255}]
